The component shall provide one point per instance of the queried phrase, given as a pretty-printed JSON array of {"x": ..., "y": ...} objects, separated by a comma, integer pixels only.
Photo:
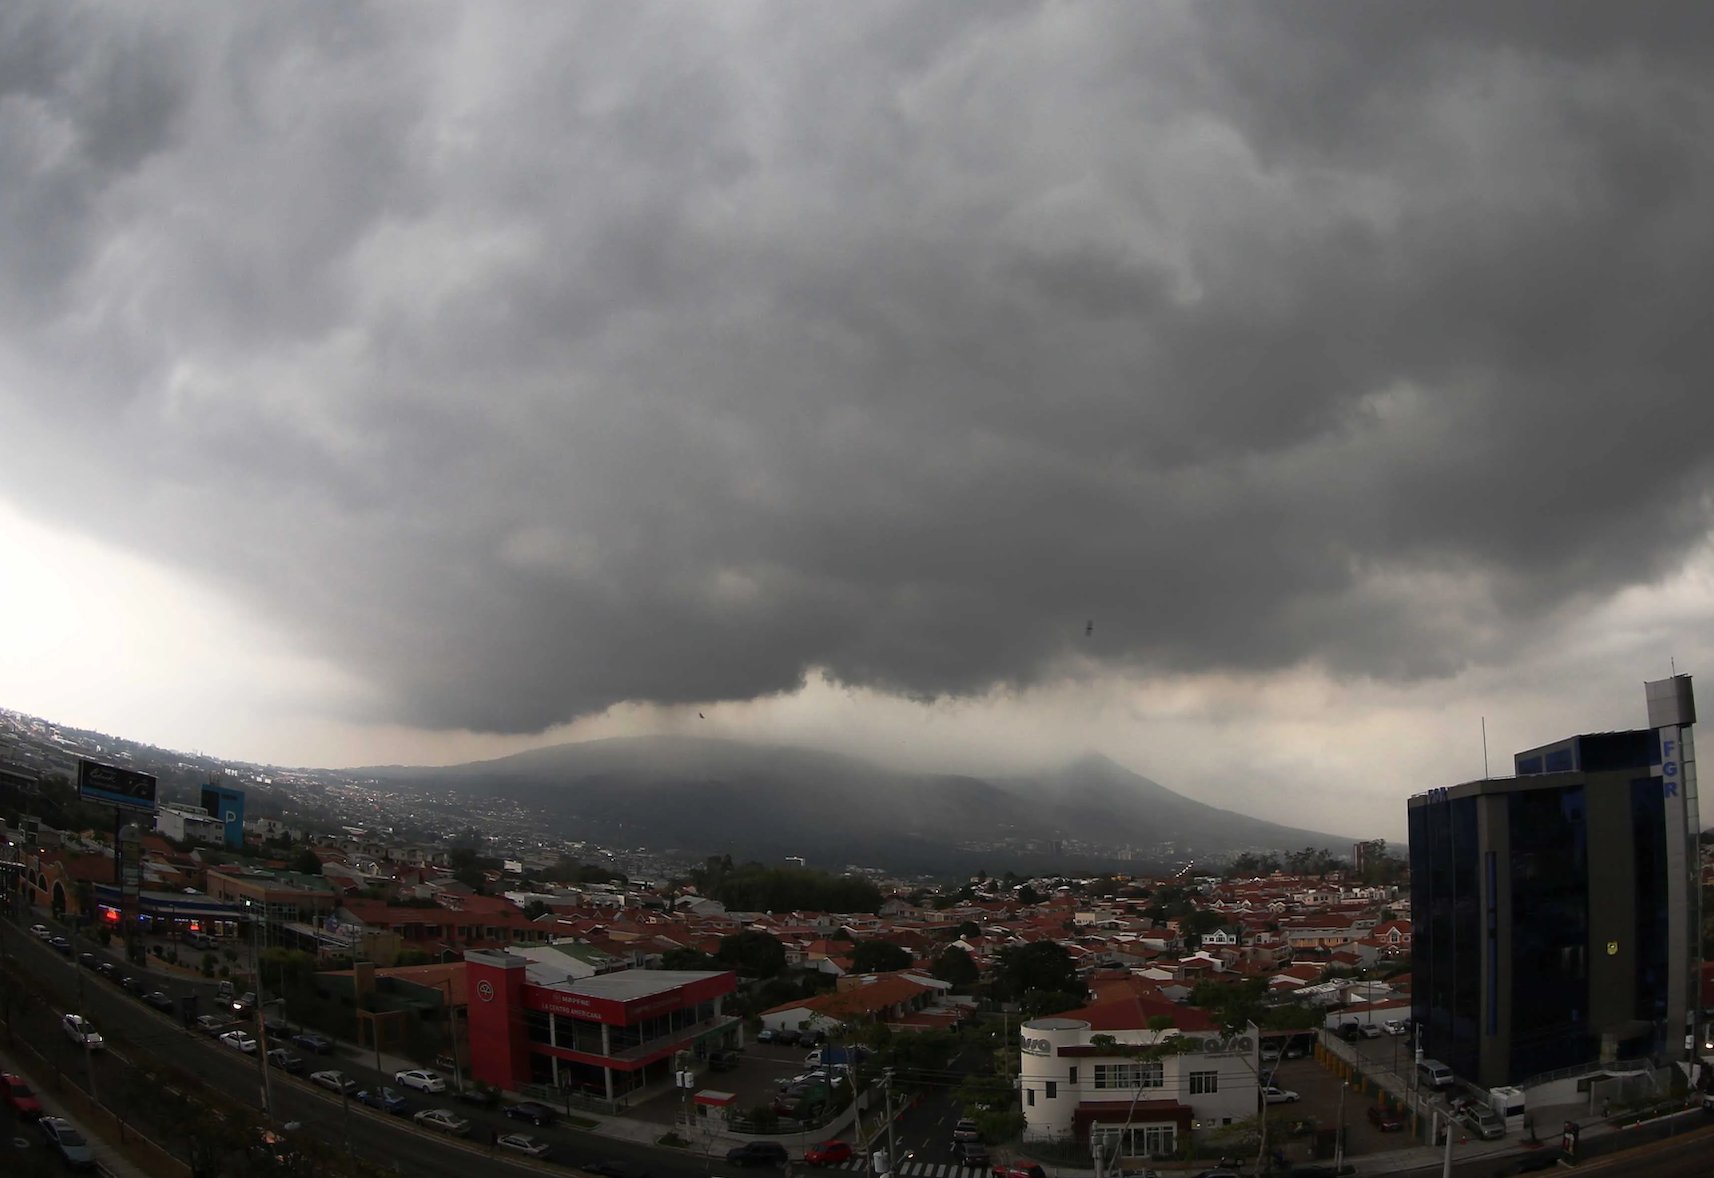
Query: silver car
[{"x": 63, "y": 1136}]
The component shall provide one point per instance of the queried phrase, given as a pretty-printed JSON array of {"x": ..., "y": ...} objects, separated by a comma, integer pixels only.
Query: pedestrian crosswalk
[{"x": 911, "y": 1168}]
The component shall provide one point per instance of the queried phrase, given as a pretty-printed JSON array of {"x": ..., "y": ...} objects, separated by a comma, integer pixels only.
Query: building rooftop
[{"x": 629, "y": 984}]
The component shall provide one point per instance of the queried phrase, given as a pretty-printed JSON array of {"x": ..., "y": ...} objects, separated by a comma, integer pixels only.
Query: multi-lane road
[{"x": 139, "y": 1033}]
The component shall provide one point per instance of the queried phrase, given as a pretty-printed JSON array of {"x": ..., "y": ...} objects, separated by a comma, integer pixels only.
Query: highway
[{"x": 138, "y": 1032}]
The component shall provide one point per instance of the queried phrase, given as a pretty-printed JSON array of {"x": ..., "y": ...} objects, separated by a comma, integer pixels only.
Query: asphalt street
[{"x": 138, "y": 1031}]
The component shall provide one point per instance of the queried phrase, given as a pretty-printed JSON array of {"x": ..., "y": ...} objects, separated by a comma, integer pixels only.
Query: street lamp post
[{"x": 261, "y": 1013}]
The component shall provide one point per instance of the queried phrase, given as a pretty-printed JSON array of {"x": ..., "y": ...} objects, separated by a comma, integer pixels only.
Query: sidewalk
[{"x": 108, "y": 1157}]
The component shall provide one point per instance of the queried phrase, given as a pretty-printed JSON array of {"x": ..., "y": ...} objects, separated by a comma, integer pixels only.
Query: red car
[
  {"x": 1019, "y": 1168},
  {"x": 1385, "y": 1119},
  {"x": 827, "y": 1153},
  {"x": 18, "y": 1096}
]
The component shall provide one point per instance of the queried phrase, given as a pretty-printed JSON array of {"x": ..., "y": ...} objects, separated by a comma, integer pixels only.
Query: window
[
  {"x": 1030, "y": 1097},
  {"x": 1052, "y": 1089},
  {"x": 1127, "y": 1076},
  {"x": 1072, "y": 1079},
  {"x": 1139, "y": 1141},
  {"x": 1204, "y": 1083}
]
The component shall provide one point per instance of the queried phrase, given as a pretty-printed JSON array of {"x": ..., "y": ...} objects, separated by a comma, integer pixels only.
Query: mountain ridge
[{"x": 715, "y": 794}]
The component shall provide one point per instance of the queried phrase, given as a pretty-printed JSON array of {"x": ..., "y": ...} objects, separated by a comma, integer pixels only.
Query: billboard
[
  {"x": 226, "y": 804},
  {"x": 115, "y": 787}
]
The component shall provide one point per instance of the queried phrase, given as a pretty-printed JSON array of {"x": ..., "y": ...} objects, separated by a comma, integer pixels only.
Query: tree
[
  {"x": 306, "y": 861},
  {"x": 879, "y": 957},
  {"x": 535, "y": 909},
  {"x": 1041, "y": 965},
  {"x": 1027, "y": 895},
  {"x": 753, "y": 954},
  {"x": 954, "y": 965},
  {"x": 688, "y": 958},
  {"x": 969, "y": 929}
]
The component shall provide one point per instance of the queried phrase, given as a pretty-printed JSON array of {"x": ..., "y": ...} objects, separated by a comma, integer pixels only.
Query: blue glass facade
[
  {"x": 1446, "y": 930},
  {"x": 1549, "y": 866}
]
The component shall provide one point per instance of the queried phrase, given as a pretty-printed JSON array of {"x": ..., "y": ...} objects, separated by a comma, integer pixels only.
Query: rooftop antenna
[{"x": 1484, "y": 748}]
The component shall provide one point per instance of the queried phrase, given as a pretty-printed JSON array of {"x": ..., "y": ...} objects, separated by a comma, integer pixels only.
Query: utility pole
[
  {"x": 857, "y": 1120},
  {"x": 887, "y": 1095},
  {"x": 261, "y": 1013},
  {"x": 88, "y": 1052}
]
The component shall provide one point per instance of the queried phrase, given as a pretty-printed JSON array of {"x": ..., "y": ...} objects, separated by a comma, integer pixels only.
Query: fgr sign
[
  {"x": 1036, "y": 1046},
  {"x": 1669, "y": 754},
  {"x": 113, "y": 786}
]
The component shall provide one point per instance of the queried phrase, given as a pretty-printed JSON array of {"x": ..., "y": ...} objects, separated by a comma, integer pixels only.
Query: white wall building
[
  {"x": 1074, "y": 1087},
  {"x": 189, "y": 824}
]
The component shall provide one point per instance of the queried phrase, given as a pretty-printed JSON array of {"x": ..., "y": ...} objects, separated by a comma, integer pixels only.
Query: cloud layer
[{"x": 522, "y": 362}]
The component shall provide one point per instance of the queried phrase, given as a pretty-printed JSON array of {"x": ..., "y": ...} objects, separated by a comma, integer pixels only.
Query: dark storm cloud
[{"x": 526, "y": 361}]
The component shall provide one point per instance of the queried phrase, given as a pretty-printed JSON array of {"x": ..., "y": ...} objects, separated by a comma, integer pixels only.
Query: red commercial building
[{"x": 605, "y": 1035}]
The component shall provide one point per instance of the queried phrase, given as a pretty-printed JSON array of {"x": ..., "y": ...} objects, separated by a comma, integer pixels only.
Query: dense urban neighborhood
[{"x": 1260, "y": 1009}]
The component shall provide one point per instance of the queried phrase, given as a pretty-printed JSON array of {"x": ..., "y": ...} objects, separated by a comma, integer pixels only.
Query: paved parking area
[{"x": 1321, "y": 1093}]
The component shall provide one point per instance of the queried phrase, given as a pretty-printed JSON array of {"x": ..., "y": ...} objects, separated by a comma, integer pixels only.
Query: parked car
[
  {"x": 333, "y": 1081},
  {"x": 313, "y": 1043},
  {"x": 971, "y": 1153},
  {"x": 1395, "y": 1026},
  {"x": 827, "y": 1153},
  {"x": 66, "y": 1141},
  {"x": 1273, "y": 1095},
  {"x": 479, "y": 1095},
  {"x": 387, "y": 1100},
  {"x": 1370, "y": 1031},
  {"x": 443, "y": 1119},
  {"x": 82, "y": 1032},
  {"x": 88, "y": 960},
  {"x": 42, "y": 932},
  {"x": 782, "y": 1035},
  {"x": 533, "y": 1111},
  {"x": 421, "y": 1079},
  {"x": 19, "y": 1097},
  {"x": 132, "y": 984},
  {"x": 1272, "y": 1050},
  {"x": 279, "y": 1057},
  {"x": 757, "y": 1153},
  {"x": 1385, "y": 1119},
  {"x": 60, "y": 945},
  {"x": 722, "y": 1061},
  {"x": 966, "y": 1130},
  {"x": 522, "y": 1143},
  {"x": 161, "y": 1000},
  {"x": 108, "y": 970},
  {"x": 240, "y": 1041},
  {"x": 1483, "y": 1121},
  {"x": 244, "y": 1004},
  {"x": 1350, "y": 1030},
  {"x": 211, "y": 1024}
]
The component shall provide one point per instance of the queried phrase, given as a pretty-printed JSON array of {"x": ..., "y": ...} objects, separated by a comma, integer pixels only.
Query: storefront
[{"x": 602, "y": 1036}]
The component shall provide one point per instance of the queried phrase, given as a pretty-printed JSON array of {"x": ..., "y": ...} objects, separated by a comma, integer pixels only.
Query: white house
[{"x": 1084, "y": 1078}]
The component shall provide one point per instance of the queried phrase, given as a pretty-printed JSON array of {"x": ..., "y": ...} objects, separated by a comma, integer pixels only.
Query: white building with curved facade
[{"x": 1098, "y": 1075}]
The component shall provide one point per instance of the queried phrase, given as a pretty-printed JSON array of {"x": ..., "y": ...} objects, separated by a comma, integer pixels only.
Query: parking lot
[{"x": 1328, "y": 1101}]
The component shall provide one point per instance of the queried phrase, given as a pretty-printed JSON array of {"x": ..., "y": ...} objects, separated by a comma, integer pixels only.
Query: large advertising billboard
[{"x": 113, "y": 786}]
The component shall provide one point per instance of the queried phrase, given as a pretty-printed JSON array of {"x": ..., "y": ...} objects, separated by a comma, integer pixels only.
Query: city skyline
[{"x": 1274, "y": 406}]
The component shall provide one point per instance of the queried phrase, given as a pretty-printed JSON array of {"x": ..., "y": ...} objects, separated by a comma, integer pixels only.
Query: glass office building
[{"x": 1554, "y": 911}]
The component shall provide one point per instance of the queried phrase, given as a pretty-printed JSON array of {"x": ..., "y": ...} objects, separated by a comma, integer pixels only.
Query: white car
[
  {"x": 1273, "y": 1095},
  {"x": 82, "y": 1032},
  {"x": 523, "y": 1143},
  {"x": 422, "y": 1080},
  {"x": 443, "y": 1119},
  {"x": 333, "y": 1081},
  {"x": 1369, "y": 1031},
  {"x": 42, "y": 932},
  {"x": 1394, "y": 1026},
  {"x": 240, "y": 1041}
]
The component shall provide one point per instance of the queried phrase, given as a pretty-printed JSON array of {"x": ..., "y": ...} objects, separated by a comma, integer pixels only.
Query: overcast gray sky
[{"x": 418, "y": 381}]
